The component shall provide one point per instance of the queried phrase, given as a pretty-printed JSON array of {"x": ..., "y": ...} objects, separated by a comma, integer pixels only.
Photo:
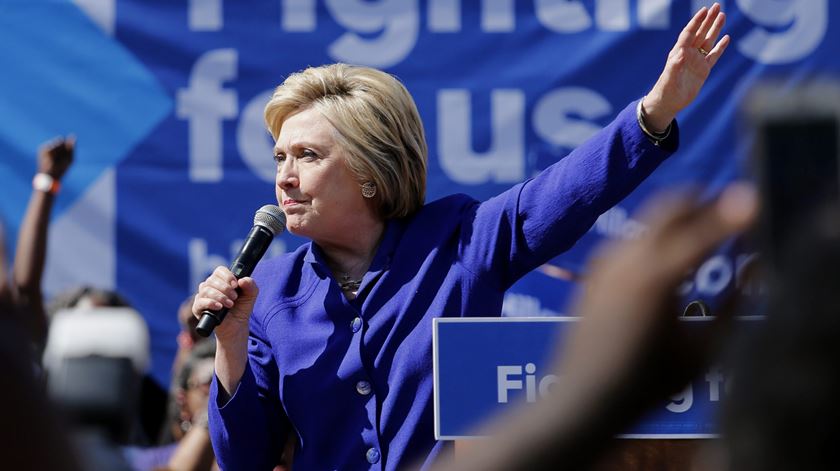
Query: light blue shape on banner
[{"x": 63, "y": 75}]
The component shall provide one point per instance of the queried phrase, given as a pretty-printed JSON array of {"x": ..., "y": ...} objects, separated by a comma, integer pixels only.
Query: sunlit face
[{"x": 318, "y": 193}]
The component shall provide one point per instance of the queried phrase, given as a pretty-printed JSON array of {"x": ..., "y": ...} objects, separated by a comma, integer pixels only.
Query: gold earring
[{"x": 368, "y": 190}]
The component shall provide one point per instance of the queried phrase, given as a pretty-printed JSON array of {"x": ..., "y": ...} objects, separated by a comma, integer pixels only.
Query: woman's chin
[{"x": 296, "y": 227}]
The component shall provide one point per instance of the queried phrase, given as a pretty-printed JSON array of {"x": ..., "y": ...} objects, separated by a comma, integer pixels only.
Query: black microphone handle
[
  {"x": 209, "y": 320},
  {"x": 243, "y": 265}
]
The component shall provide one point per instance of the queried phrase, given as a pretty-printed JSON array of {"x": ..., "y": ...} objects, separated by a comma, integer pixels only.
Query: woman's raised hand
[{"x": 696, "y": 51}]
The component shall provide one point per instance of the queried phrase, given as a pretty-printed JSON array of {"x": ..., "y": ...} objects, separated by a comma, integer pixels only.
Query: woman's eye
[
  {"x": 279, "y": 158},
  {"x": 308, "y": 154}
]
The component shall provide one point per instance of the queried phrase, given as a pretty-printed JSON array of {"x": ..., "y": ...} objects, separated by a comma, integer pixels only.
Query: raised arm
[
  {"x": 526, "y": 226},
  {"x": 54, "y": 158}
]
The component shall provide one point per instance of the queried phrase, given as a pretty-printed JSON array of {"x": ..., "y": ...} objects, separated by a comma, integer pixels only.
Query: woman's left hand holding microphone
[{"x": 689, "y": 63}]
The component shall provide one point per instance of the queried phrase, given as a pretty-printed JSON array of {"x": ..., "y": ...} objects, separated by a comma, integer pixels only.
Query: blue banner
[
  {"x": 483, "y": 366},
  {"x": 166, "y": 100}
]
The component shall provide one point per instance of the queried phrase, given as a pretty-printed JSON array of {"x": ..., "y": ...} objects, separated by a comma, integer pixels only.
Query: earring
[{"x": 368, "y": 190}]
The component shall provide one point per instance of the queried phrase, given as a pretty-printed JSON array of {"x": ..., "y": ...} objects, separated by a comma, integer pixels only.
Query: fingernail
[{"x": 738, "y": 204}]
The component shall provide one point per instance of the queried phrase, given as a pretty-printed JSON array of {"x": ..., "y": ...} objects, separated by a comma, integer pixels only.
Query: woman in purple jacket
[{"x": 336, "y": 349}]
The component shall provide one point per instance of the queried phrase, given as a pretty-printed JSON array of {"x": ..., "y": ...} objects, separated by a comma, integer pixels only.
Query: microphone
[{"x": 268, "y": 222}]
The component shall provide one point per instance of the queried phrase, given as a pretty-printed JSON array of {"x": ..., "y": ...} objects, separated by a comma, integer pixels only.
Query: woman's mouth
[{"x": 288, "y": 202}]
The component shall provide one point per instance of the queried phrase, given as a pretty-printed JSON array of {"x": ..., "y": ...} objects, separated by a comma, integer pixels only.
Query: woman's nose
[{"x": 287, "y": 176}]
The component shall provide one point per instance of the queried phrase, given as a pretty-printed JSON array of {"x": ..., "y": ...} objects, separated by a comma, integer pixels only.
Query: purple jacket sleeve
[
  {"x": 249, "y": 430},
  {"x": 526, "y": 226}
]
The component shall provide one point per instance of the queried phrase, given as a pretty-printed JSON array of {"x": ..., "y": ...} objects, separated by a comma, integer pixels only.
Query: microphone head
[{"x": 272, "y": 218}]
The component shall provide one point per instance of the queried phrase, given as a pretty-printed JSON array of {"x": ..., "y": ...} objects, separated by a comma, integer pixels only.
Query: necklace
[
  {"x": 347, "y": 284},
  {"x": 345, "y": 279}
]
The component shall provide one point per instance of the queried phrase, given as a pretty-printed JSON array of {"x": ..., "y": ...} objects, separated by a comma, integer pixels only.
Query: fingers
[
  {"x": 702, "y": 31},
  {"x": 216, "y": 292},
  {"x": 695, "y": 231},
  {"x": 248, "y": 288},
  {"x": 663, "y": 215},
  {"x": 70, "y": 143},
  {"x": 710, "y": 38},
  {"x": 709, "y": 20},
  {"x": 710, "y": 41},
  {"x": 717, "y": 51},
  {"x": 58, "y": 149},
  {"x": 689, "y": 33},
  {"x": 668, "y": 210},
  {"x": 738, "y": 206},
  {"x": 50, "y": 146}
]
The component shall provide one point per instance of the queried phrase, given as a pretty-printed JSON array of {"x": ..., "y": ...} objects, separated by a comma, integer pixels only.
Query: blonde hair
[{"x": 378, "y": 126}]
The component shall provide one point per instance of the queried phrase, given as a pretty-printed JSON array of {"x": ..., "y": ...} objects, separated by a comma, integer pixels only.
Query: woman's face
[{"x": 316, "y": 190}]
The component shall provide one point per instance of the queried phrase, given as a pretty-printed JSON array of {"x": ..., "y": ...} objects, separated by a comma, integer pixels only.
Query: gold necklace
[{"x": 348, "y": 284}]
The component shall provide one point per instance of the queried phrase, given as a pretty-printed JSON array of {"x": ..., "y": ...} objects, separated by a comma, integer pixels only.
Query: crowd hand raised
[
  {"x": 689, "y": 63},
  {"x": 55, "y": 156},
  {"x": 630, "y": 338},
  {"x": 222, "y": 289}
]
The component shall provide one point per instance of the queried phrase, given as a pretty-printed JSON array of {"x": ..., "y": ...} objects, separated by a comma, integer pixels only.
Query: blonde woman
[{"x": 336, "y": 349}]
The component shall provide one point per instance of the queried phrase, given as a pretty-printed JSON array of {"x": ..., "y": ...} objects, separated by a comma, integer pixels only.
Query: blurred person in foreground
[
  {"x": 782, "y": 410},
  {"x": 629, "y": 352},
  {"x": 338, "y": 348},
  {"x": 31, "y": 436}
]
